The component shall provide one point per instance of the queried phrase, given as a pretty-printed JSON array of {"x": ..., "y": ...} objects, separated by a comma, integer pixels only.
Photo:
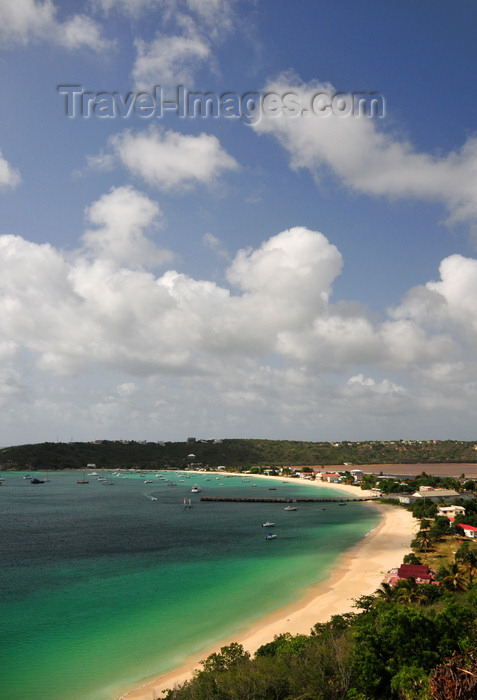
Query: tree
[
  {"x": 408, "y": 591},
  {"x": 411, "y": 558},
  {"x": 385, "y": 592},
  {"x": 424, "y": 540},
  {"x": 228, "y": 656},
  {"x": 453, "y": 577},
  {"x": 411, "y": 683},
  {"x": 467, "y": 557}
]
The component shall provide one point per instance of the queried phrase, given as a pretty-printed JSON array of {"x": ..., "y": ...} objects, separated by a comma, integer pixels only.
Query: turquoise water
[{"x": 103, "y": 587}]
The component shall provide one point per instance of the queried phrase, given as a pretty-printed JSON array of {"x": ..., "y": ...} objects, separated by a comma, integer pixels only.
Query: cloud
[
  {"x": 169, "y": 160},
  {"x": 9, "y": 177},
  {"x": 22, "y": 21},
  {"x": 449, "y": 303},
  {"x": 120, "y": 218},
  {"x": 368, "y": 159},
  {"x": 189, "y": 31},
  {"x": 267, "y": 348},
  {"x": 81, "y": 31},
  {"x": 111, "y": 310},
  {"x": 169, "y": 60},
  {"x": 212, "y": 13}
]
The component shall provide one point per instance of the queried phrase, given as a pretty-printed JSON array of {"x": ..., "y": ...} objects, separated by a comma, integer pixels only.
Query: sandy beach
[{"x": 358, "y": 572}]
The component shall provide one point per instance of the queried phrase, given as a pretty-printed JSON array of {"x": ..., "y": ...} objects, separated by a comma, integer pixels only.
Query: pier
[{"x": 231, "y": 499}]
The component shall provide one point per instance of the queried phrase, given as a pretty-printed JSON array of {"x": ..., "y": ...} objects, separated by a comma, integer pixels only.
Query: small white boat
[
  {"x": 148, "y": 481},
  {"x": 268, "y": 524},
  {"x": 270, "y": 536},
  {"x": 195, "y": 489},
  {"x": 290, "y": 508}
]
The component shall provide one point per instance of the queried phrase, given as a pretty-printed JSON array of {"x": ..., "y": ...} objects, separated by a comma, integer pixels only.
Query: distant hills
[{"x": 239, "y": 454}]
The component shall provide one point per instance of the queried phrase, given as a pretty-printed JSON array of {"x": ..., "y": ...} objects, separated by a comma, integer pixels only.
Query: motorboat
[
  {"x": 195, "y": 489},
  {"x": 270, "y": 536},
  {"x": 268, "y": 524},
  {"x": 290, "y": 508}
]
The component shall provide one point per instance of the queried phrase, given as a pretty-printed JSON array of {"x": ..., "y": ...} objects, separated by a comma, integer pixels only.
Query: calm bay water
[{"x": 103, "y": 587}]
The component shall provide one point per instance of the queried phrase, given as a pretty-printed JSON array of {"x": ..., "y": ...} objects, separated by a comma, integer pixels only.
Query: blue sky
[{"x": 304, "y": 276}]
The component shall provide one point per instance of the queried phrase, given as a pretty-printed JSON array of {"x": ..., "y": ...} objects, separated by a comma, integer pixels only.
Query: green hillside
[{"x": 235, "y": 454}]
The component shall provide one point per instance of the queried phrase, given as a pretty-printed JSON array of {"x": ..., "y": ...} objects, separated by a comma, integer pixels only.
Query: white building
[{"x": 451, "y": 511}]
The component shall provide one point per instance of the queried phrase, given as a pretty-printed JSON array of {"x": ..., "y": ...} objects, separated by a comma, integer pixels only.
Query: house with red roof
[
  {"x": 469, "y": 530},
  {"x": 421, "y": 573}
]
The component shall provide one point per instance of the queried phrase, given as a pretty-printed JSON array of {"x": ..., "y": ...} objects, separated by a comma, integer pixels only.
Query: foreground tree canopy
[{"x": 393, "y": 647}]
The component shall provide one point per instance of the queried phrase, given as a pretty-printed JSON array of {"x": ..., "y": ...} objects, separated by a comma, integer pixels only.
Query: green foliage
[
  {"x": 241, "y": 455},
  {"x": 411, "y": 683},
  {"x": 423, "y": 508},
  {"x": 388, "y": 651},
  {"x": 228, "y": 657},
  {"x": 411, "y": 558}
]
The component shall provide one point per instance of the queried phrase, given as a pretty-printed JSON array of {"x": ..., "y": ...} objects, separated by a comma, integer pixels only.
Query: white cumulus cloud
[
  {"x": 268, "y": 347},
  {"x": 367, "y": 158},
  {"x": 170, "y": 160},
  {"x": 120, "y": 217}
]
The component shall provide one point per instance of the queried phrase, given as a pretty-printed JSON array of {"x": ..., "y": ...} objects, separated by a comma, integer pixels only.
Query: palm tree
[
  {"x": 453, "y": 577},
  {"x": 408, "y": 591},
  {"x": 385, "y": 592},
  {"x": 467, "y": 558},
  {"x": 424, "y": 540}
]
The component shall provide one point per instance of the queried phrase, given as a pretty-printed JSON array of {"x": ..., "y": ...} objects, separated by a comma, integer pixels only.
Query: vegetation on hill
[{"x": 232, "y": 453}]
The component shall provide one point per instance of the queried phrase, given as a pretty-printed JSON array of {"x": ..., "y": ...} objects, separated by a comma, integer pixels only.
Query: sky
[{"x": 290, "y": 253}]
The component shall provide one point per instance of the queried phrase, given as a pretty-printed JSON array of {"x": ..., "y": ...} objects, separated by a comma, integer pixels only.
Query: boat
[
  {"x": 187, "y": 504},
  {"x": 37, "y": 481},
  {"x": 290, "y": 508},
  {"x": 195, "y": 489},
  {"x": 341, "y": 504},
  {"x": 270, "y": 536},
  {"x": 268, "y": 524},
  {"x": 82, "y": 481},
  {"x": 148, "y": 481}
]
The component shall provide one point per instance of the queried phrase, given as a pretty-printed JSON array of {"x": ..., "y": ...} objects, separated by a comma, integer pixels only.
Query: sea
[{"x": 107, "y": 583}]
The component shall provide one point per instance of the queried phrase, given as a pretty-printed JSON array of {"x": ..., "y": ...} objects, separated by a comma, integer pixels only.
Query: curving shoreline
[{"x": 358, "y": 572}]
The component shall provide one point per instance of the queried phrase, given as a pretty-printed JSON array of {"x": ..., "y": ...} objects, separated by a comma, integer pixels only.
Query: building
[
  {"x": 333, "y": 478},
  {"x": 436, "y": 495},
  {"x": 419, "y": 572},
  {"x": 469, "y": 531},
  {"x": 450, "y": 511}
]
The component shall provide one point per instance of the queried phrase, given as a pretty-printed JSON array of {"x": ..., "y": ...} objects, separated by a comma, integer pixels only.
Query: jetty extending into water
[{"x": 231, "y": 499}]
